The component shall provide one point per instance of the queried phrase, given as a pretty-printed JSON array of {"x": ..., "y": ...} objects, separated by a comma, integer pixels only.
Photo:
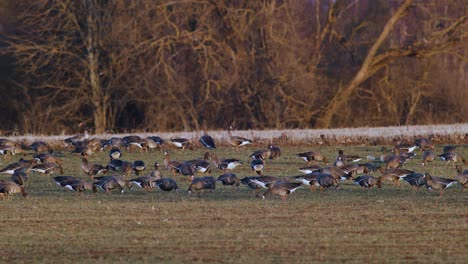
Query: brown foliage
[{"x": 158, "y": 65}]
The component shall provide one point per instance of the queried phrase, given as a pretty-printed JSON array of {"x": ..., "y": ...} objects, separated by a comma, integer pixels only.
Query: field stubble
[{"x": 395, "y": 224}]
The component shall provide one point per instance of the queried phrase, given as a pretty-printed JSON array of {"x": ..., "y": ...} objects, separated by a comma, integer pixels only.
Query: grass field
[{"x": 395, "y": 224}]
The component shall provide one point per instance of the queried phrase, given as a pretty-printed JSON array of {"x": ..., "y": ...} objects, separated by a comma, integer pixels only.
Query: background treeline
[{"x": 124, "y": 65}]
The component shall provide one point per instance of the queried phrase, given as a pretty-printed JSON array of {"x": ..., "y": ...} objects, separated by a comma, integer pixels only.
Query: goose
[
  {"x": 225, "y": 164},
  {"x": 92, "y": 169},
  {"x": 438, "y": 183},
  {"x": 207, "y": 141},
  {"x": 152, "y": 143},
  {"x": 275, "y": 152},
  {"x": 116, "y": 142},
  {"x": 312, "y": 156},
  {"x": 19, "y": 177},
  {"x": 262, "y": 154},
  {"x": 257, "y": 165},
  {"x": 186, "y": 169},
  {"x": 40, "y": 147},
  {"x": 157, "y": 140},
  {"x": 122, "y": 182},
  {"x": 169, "y": 164},
  {"x": 138, "y": 166},
  {"x": 339, "y": 162},
  {"x": 21, "y": 164},
  {"x": 47, "y": 168},
  {"x": 427, "y": 156},
  {"x": 48, "y": 158},
  {"x": 120, "y": 165},
  {"x": 166, "y": 184},
  {"x": 181, "y": 143},
  {"x": 134, "y": 141},
  {"x": 79, "y": 185},
  {"x": 462, "y": 177},
  {"x": 201, "y": 165},
  {"x": 9, "y": 151},
  {"x": 326, "y": 181},
  {"x": 425, "y": 143},
  {"x": 452, "y": 157},
  {"x": 310, "y": 169},
  {"x": 367, "y": 181},
  {"x": 404, "y": 155},
  {"x": 282, "y": 189},
  {"x": 337, "y": 173},
  {"x": 229, "y": 179},
  {"x": 107, "y": 185},
  {"x": 144, "y": 182},
  {"x": 346, "y": 158},
  {"x": 8, "y": 188},
  {"x": 156, "y": 173},
  {"x": 237, "y": 141},
  {"x": 391, "y": 161},
  {"x": 309, "y": 179},
  {"x": 449, "y": 149},
  {"x": 115, "y": 153},
  {"x": 394, "y": 175},
  {"x": 202, "y": 183},
  {"x": 62, "y": 180},
  {"x": 258, "y": 182},
  {"x": 76, "y": 138},
  {"x": 415, "y": 179}
]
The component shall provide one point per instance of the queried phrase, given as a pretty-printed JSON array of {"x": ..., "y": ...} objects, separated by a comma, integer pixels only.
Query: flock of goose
[{"x": 318, "y": 173}]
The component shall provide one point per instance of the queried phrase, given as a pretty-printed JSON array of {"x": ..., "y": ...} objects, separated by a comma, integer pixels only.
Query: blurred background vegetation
[{"x": 147, "y": 65}]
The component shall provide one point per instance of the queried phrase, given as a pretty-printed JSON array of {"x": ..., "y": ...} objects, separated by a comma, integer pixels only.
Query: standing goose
[
  {"x": 452, "y": 157},
  {"x": 166, "y": 184},
  {"x": 262, "y": 154},
  {"x": 144, "y": 182},
  {"x": 186, "y": 169},
  {"x": 438, "y": 183},
  {"x": 21, "y": 164},
  {"x": 391, "y": 161},
  {"x": 309, "y": 179},
  {"x": 326, "y": 181},
  {"x": 8, "y": 188},
  {"x": 428, "y": 156},
  {"x": 48, "y": 158},
  {"x": 282, "y": 189},
  {"x": 156, "y": 173},
  {"x": 310, "y": 169},
  {"x": 119, "y": 180},
  {"x": 116, "y": 142},
  {"x": 107, "y": 185},
  {"x": 258, "y": 182},
  {"x": 311, "y": 156},
  {"x": 73, "y": 184},
  {"x": 40, "y": 147},
  {"x": 237, "y": 141},
  {"x": 425, "y": 143},
  {"x": 47, "y": 168},
  {"x": 19, "y": 177},
  {"x": 170, "y": 165},
  {"x": 275, "y": 152},
  {"x": 62, "y": 180},
  {"x": 201, "y": 165},
  {"x": 207, "y": 141},
  {"x": 394, "y": 175},
  {"x": 202, "y": 183},
  {"x": 229, "y": 179},
  {"x": 347, "y": 158}
]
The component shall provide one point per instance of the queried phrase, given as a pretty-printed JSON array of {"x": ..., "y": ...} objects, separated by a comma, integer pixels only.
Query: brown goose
[
  {"x": 311, "y": 156},
  {"x": 367, "y": 181},
  {"x": 425, "y": 143},
  {"x": 166, "y": 184},
  {"x": 73, "y": 184},
  {"x": 257, "y": 165},
  {"x": 438, "y": 183},
  {"x": 48, "y": 158},
  {"x": 309, "y": 179},
  {"x": 275, "y": 152},
  {"x": 170, "y": 165},
  {"x": 47, "y": 168},
  {"x": 394, "y": 175},
  {"x": 201, "y": 165},
  {"x": 428, "y": 156},
  {"x": 326, "y": 181},
  {"x": 21, "y": 164},
  {"x": 347, "y": 158},
  {"x": 416, "y": 180},
  {"x": 310, "y": 169},
  {"x": 391, "y": 161},
  {"x": 144, "y": 182},
  {"x": 19, "y": 177},
  {"x": 181, "y": 143},
  {"x": 40, "y": 147},
  {"x": 156, "y": 173},
  {"x": 258, "y": 182},
  {"x": 8, "y": 188},
  {"x": 108, "y": 183},
  {"x": 202, "y": 183},
  {"x": 92, "y": 169},
  {"x": 229, "y": 179},
  {"x": 262, "y": 154},
  {"x": 282, "y": 189},
  {"x": 225, "y": 164},
  {"x": 452, "y": 157},
  {"x": 237, "y": 141},
  {"x": 462, "y": 177}
]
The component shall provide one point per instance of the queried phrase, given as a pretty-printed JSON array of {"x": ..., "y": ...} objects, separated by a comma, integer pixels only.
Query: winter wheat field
[{"x": 393, "y": 225}]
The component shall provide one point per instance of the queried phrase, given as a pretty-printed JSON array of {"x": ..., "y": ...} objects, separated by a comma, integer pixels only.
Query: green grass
[{"x": 395, "y": 224}]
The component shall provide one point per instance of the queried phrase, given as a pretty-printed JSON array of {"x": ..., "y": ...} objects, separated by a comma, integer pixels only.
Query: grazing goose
[
  {"x": 157, "y": 140},
  {"x": 134, "y": 141},
  {"x": 449, "y": 149},
  {"x": 144, "y": 182},
  {"x": 225, "y": 164},
  {"x": 415, "y": 179},
  {"x": 257, "y": 182},
  {"x": 122, "y": 182},
  {"x": 181, "y": 143},
  {"x": 282, "y": 189},
  {"x": 371, "y": 167},
  {"x": 116, "y": 142},
  {"x": 120, "y": 165},
  {"x": 115, "y": 153},
  {"x": 152, "y": 143},
  {"x": 76, "y": 138},
  {"x": 311, "y": 156},
  {"x": 201, "y": 165},
  {"x": 310, "y": 169},
  {"x": 337, "y": 173},
  {"x": 21, "y": 164},
  {"x": 8, "y": 188},
  {"x": 309, "y": 179},
  {"x": 107, "y": 185},
  {"x": 262, "y": 154},
  {"x": 275, "y": 152},
  {"x": 347, "y": 158},
  {"x": 40, "y": 147},
  {"x": 367, "y": 181},
  {"x": 326, "y": 181},
  {"x": 92, "y": 169},
  {"x": 170, "y": 165},
  {"x": 166, "y": 184},
  {"x": 80, "y": 185},
  {"x": 63, "y": 180},
  {"x": 404, "y": 155},
  {"x": 47, "y": 168},
  {"x": 237, "y": 141},
  {"x": 257, "y": 165},
  {"x": 391, "y": 161},
  {"x": 186, "y": 169},
  {"x": 48, "y": 158},
  {"x": 138, "y": 166},
  {"x": 229, "y": 179},
  {"x": 438, "y": 183},
  {"x": 202, "y": 183},
  {"x": 425, "y": 143},
  {"x": 427, "y": 156},
  {"x": 394, "y": 175},
  {"x": 207, "y": 141},
  {"x": 462, "y": 177},
  {"x": 19, "y": 177},
  {"x": 452, "y": 157}
]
